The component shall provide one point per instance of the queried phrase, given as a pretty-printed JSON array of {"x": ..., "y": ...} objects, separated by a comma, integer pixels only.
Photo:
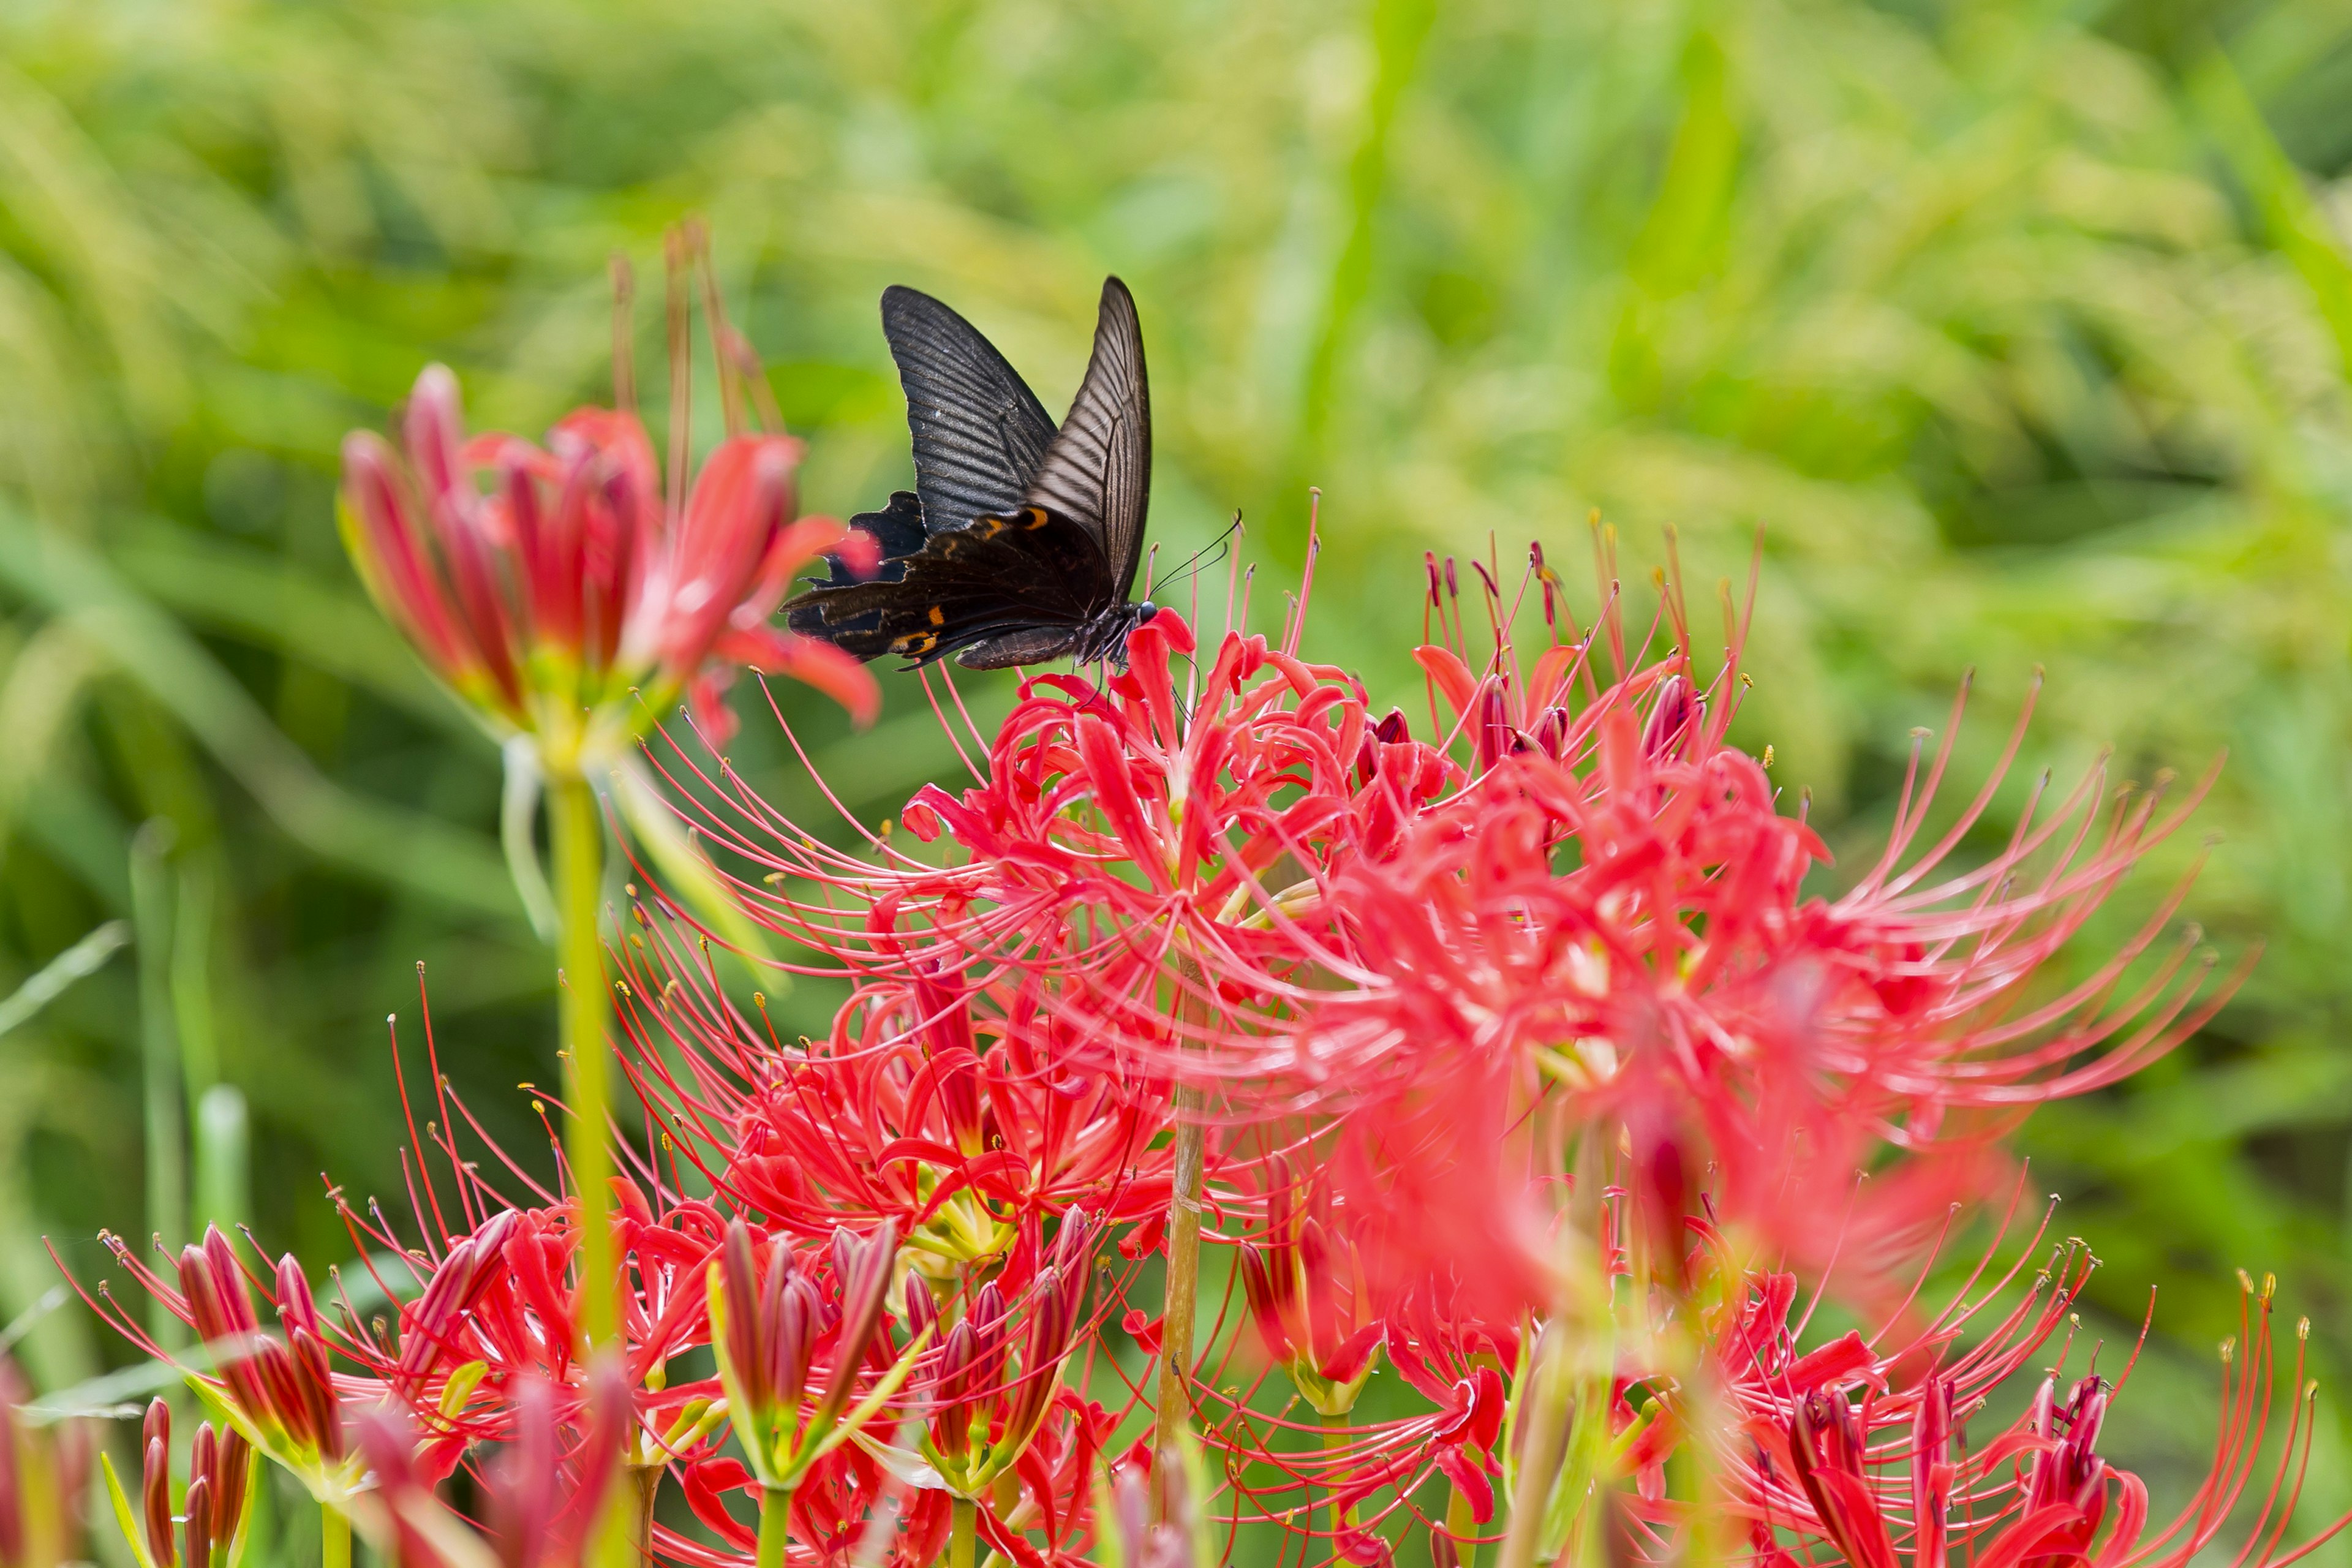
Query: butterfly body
[{"x": 1020, "y": 540}]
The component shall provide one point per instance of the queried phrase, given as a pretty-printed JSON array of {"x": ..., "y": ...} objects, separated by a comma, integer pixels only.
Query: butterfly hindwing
[
  {"x": 898, "y": 531},
  {"x": 980, "y": 434},
  {"x": 1015, "y": 585},
  {"x": 1098, "y": 471}
]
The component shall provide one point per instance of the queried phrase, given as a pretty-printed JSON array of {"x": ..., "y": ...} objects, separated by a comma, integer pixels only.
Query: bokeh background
[{"x": 2020, "y": 330}]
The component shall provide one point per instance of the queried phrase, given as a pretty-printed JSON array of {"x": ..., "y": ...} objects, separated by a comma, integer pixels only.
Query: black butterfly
[{"x": 1020, "y": 540}]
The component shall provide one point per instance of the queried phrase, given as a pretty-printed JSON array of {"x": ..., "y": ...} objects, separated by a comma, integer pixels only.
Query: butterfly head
[{"x": 1104, "y": 639}]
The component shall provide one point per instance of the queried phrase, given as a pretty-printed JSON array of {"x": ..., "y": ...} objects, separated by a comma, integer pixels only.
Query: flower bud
[
  {"x": 922, "y": 1309},
  {"x": 199, "y": 1506},
  {"x": 155, "y": 1495}
]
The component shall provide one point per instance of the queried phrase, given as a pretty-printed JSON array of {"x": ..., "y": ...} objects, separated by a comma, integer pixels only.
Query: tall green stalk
[
  {"x": 1183, "y": 1277},
  {"x": 1462, "y": 1525},
  {"x": 775, "y": 1508},
  {"x": 577, "y": 830},
  {"x": 963, "y": 1532},
  {"x": 1183, "y": 1235},
  {"x": 164, "y": 1125},
  {"x": 334, "y": 1537}
]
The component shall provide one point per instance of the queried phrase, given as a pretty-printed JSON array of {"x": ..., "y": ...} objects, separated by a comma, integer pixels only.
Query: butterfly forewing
[
  {"x": 980, "y": 433},
  {"x": 1097, "y": 471}
]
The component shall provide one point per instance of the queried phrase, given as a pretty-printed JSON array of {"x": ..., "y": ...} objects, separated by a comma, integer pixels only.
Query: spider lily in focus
[
  {"x": 571, "y": 591},
  {"x": 950, "y": 1111},
  {"x": 1887, "y": 1482},
  {"x": 767, "y": 1325},
  {"x": 999, "y": 1366}
]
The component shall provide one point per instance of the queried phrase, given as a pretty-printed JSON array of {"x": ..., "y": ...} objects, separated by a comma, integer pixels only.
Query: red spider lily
[
  {"x": 1608, "y": 918},
  {"x": 277, "y": 1391},
  {"x": 766, "y": 1326},
  {"x": 1460, "y": 1372},
  {"x": 571, "y": 583},
  {"x": 998, "y": 1370},
  {"x": 1311, "y": 1301},
  {"x": 1825, "y": 1470},
  {"x": 938, "y": 1108}
]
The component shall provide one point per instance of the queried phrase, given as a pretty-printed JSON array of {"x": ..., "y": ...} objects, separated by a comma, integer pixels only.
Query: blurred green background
[{"x": 2022, "y": 330}]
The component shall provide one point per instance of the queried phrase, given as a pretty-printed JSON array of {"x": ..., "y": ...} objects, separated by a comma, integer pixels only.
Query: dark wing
[
  {"x": 980, "y": 433},
  {"x": 897, "y": 529},
  {"x": 1027, "y": 582},
  {"x": 1097, "y": 471}
]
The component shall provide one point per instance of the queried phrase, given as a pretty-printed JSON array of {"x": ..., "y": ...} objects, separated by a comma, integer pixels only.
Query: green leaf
[
  {"x": 84, "y": 958},
  {"x": 124, "y": 1515}
]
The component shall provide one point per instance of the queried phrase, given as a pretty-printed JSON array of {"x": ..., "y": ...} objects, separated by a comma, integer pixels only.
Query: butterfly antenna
[
  {"x": 1233, "y": 573},
  {"x": 1208, "y": 554}
]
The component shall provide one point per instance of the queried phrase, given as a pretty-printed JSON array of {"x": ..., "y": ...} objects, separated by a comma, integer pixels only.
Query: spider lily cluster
[{"x": 1254, "y": 1110}]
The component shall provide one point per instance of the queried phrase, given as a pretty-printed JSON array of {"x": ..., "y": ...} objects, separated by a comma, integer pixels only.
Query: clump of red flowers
[{"x": 1253, "y": 1109}]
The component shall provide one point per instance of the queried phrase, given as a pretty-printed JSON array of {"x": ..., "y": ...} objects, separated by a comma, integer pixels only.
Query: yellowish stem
[{"x": 578, "y": 831}]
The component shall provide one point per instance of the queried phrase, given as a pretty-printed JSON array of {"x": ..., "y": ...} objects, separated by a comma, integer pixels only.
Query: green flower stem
[
  {"x": 775, "y": 1508},
  {"x": 1335, "y": 1436},
  {"x": 1184, "y": 1235},
  {"x": 1578, "y": 1336},
  {"x": 1183, "y": 1276},
  {"x": 963, "y": 1532},
  {"x": 334, "y": 1537},
  {"x": 1539, "y": 1457},
  {"x": 1462, "y": 1524},
  {"x": 578, "y": 831}
]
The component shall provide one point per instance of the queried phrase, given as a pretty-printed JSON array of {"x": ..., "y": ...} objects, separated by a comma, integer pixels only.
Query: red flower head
[
  {"x": 571, "y": 597},
  {"x": 949, "y": 1112},
  {"x": 1605, "y": 931},
  {"x": 998, "y": 1370},
  {"x": 1310, "y": 1297},
  {"x": 276, "y": 1389},
  {"x": 1858, "y": 1453},
  {"x": 769, "y": 1319}
]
